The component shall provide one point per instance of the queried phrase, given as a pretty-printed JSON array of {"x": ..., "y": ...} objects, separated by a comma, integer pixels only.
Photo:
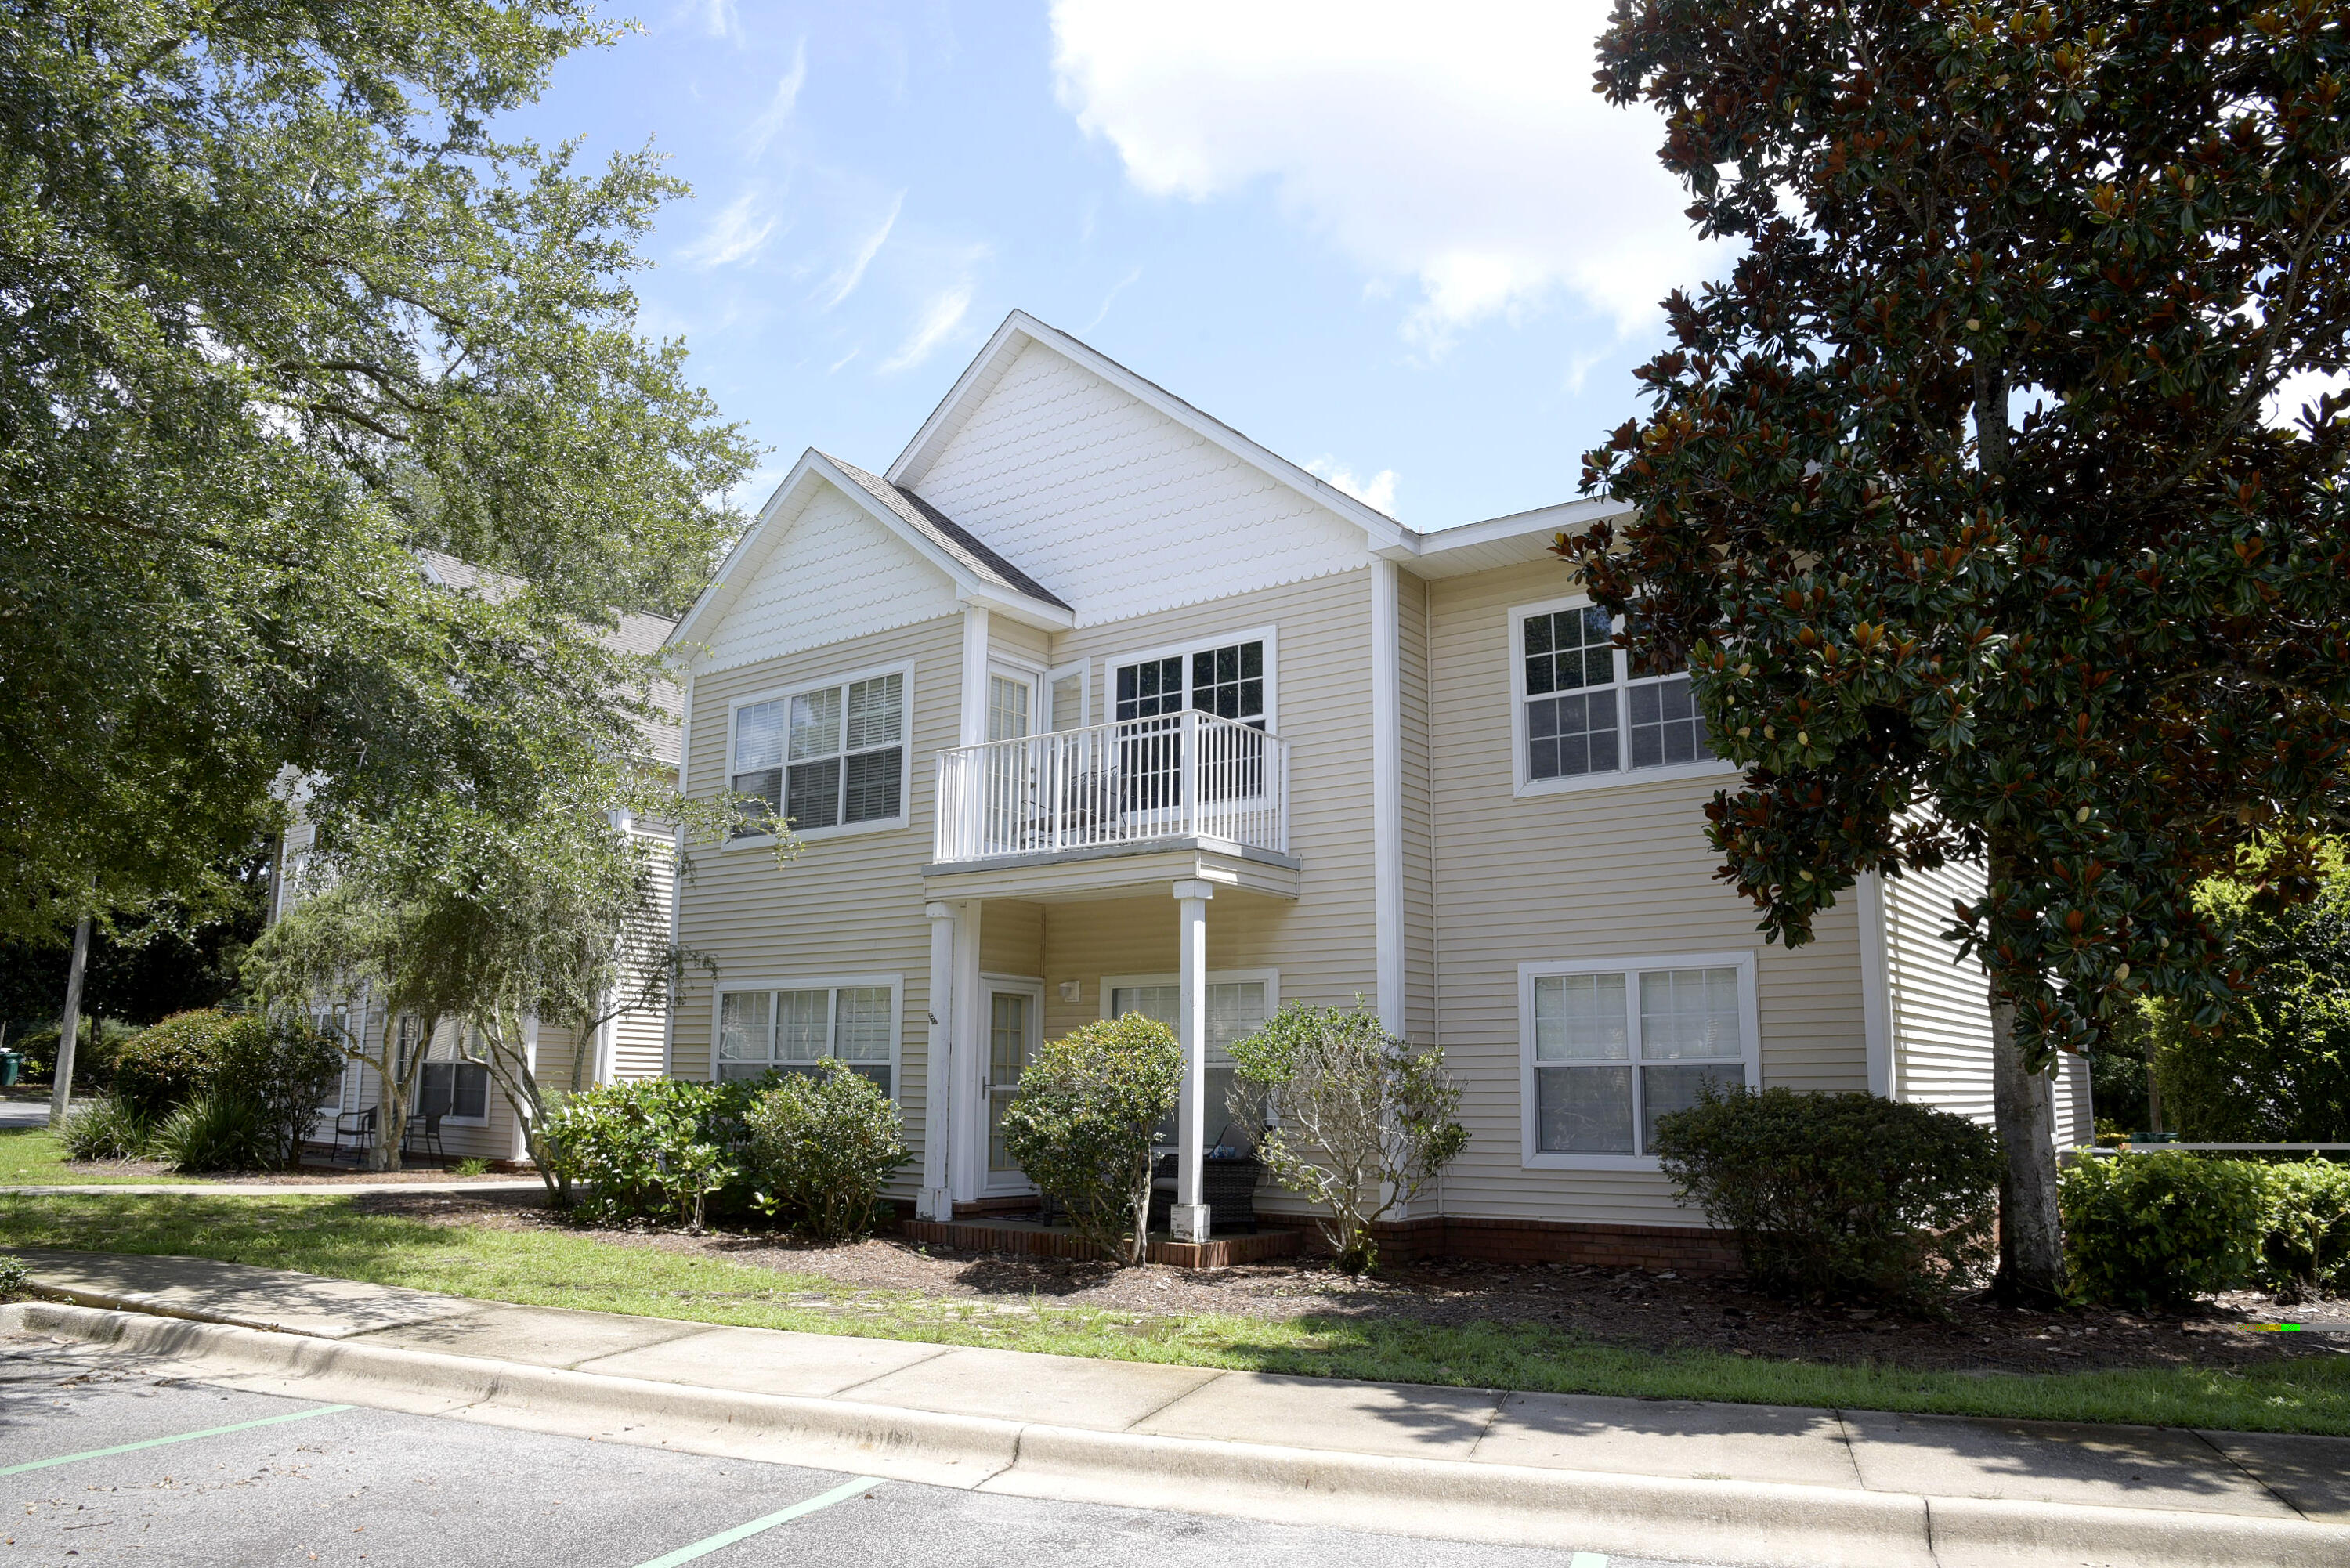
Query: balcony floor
[{"x": 1116, "y": 871}]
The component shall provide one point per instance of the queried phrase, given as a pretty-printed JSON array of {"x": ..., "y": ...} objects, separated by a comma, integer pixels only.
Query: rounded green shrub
[
  {"x": 1839, "y": 1197},
  {"x": 284, "y": 1070},
  {"x": 173, "y": 1062},
  {"x": 656, "y": 1149},
  {"x": 1082, "y": 1124},
  {"x": 2159, "y": 1230},
  {"x": 2305, "y": 1238},
  {"x": 823, "y": 1146}
]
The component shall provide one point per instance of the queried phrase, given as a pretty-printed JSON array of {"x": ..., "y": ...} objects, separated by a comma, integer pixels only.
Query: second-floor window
[
  {"x": 1228, "y": 681},
  {"x": 1587, "y": 711},
  {"x": 834, "y": 756}
]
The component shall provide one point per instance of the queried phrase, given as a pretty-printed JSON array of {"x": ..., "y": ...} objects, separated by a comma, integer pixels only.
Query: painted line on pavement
[
  {"x": 183, "y": 1437},
  {"x": 841, "y": 1493},
  {"x": 1588, "y": 1560}
]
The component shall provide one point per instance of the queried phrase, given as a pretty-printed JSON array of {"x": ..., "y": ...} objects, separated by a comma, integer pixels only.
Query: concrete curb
[{"x": 1740, "y": 1521}]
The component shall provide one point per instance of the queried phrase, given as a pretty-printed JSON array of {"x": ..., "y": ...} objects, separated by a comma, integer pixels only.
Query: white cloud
[
  {"x": 720, "y": 21},
  {"x": 1120, "y": 287},
  {"x": 1377, "y": 493},
  {"x": 1458, "y": 146},
  {"x": 941, "y": 317},
  {"x": 780, "y": 106},
  {"x": 736, "y": 234},
  {"x": 843, "y": 282}
]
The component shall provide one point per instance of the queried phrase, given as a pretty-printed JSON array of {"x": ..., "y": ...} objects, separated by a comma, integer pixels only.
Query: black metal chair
[
  {"x": 422, "y": 1134},
  {"x": 357, "y": 1125}
]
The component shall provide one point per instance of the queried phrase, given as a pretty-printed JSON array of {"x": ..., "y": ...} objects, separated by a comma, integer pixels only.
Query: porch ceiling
[{"x": 1117, "y": 871}]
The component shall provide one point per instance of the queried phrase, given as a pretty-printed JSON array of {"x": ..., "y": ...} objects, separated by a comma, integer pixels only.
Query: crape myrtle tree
[
  {"x": 1990, "y": 500},
  {"x": 281, "y": 308}
]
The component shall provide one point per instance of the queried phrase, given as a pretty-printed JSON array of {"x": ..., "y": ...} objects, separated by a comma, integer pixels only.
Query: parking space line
[
  {"x": 841, "y": 1493},
  {"x": 1588, "y": 1560},
  {"x": 181, "y": 1438}
]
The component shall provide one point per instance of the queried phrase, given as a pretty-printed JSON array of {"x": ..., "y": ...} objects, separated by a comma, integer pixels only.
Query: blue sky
[{"x": 1403, "y": 243}]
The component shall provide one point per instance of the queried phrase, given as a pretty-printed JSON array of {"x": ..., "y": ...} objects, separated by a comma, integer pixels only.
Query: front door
[{"x": 1014, "y": 1022}]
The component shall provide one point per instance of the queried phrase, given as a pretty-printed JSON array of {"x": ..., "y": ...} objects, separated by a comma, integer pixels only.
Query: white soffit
[{"x": 1519, "y": 539}]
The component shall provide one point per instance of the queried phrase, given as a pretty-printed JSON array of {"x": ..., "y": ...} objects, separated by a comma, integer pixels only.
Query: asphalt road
[{"x": 339, "y": 1485}]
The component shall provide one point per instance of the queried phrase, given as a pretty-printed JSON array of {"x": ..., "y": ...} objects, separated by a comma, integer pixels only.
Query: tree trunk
[
  {"x": 70, "y": 1026},
  {"x": 2030, "y": 1234}
]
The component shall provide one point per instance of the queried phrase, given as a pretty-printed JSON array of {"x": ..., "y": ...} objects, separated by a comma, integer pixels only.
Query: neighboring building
[
  {"x": 479, "y": 1123},
  {"x": 1090, "y": 704}
]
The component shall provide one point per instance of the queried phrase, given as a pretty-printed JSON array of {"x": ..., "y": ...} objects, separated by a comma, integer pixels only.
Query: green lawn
[
  {"x": 578, "y": 1268},
  {"x": 32, "y": 1156}
]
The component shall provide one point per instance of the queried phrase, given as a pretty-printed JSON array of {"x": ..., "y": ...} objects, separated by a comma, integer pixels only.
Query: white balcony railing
[{"x": 1191, "y": 776}]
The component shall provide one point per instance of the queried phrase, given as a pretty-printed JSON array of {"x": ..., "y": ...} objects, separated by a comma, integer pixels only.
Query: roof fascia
[
  {"x": 1021, "y": 328},
  {"x": 1567, "y": 517}
]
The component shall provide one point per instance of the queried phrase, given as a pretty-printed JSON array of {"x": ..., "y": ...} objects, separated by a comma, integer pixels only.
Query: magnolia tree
[
  {"x": 1991, "y": 501},
  {"x": 1348, "y": 1114}
]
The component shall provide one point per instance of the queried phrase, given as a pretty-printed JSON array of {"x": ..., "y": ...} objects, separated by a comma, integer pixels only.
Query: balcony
[{"x": 1175, "y": 784}]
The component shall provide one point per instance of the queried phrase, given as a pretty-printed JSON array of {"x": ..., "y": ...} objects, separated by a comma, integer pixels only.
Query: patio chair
[{"x": 357, "y": 1125}]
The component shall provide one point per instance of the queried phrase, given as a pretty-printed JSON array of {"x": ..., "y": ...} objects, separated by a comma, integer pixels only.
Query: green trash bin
[{"x": 12, "y": 1067}]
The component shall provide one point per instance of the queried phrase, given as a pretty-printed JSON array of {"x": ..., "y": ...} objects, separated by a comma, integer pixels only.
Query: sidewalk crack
[
  {"x": 1851, "y": 1454},
  {"x": 1500, "y": 1397},
  {"x": 1173, "y": 1399},
  {"x": 925, "y": 1361},
  {"x": 2246, "y": 1470}
]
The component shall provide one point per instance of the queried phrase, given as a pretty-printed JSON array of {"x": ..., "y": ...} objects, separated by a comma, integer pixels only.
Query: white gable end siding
[
  {"x": 831, "y": 573},
  {"x": 1118, "y": 509}
]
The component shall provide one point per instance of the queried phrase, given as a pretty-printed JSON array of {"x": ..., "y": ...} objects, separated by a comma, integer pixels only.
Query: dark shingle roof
[{"x": 948, "y": 534}]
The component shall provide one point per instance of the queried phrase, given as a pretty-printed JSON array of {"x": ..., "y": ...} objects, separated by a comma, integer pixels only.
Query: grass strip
[
  {"x": 36, "y": 1157},
  {"x": 327, "y": 1235}
]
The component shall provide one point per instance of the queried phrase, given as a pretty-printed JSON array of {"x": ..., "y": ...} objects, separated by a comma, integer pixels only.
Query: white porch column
[
  {"x": 936, "y": 1202},
  {"x": 967, "y": 1171},
  {"x": 1188, "y": 1217},
  {"x": 1386, "y": 798}
]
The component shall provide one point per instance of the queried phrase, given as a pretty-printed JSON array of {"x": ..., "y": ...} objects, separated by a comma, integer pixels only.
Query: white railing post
[{"x": 1190, "y": 765}]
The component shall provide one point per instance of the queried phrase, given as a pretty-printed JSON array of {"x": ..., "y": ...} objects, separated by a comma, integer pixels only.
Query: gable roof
[
  {"x": 947, "y": 534},
  {"x": 1020, "y": 330},
  {"x": 980, "y": 575}
]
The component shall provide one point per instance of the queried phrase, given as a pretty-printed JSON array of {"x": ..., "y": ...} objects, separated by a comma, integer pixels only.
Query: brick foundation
[
  {"x": 1679, "y": 1248},
  {"x": 978, "y": 1235}
]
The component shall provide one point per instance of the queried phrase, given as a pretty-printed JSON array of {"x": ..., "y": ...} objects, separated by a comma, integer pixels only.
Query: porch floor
[{"x": 1006, "y": 1234}]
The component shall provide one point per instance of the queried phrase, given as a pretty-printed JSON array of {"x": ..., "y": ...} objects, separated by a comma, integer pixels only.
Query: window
[
  {"x": 1007, "y": 707},
  {"x": 1237, "y": 1008},
  {"x": 1610, "y": 1046},
  {"x": 831, "y": 757},
  {"x": 459, "y": 1091},
  {"x": 790, "y": 1030},
  {"x": 1230, "y": 680},
  {"x": 1068, "y": 689},
  {"x": 1585, "y": 713}
]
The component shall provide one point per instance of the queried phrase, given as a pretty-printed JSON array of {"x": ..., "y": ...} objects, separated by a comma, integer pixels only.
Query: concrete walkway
[{"x": 2282, "y": 1480}]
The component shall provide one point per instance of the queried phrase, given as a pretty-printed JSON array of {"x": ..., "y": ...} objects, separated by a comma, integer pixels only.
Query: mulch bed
[{"x": 1633, "y": 1308}]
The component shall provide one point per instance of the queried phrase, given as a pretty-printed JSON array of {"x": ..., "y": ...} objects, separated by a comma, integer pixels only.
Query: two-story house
[{"x": 1090, "y": 704}]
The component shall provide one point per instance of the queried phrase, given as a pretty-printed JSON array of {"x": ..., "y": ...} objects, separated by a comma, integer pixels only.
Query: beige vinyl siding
[
  {"x": 1011, "y": 939},
  {"x": 1418, "y": 864},
  {"x": 1620, "y": 871},
  {"x": 851, "y": 904},
  {"x": 1322, "y": 664},
  {"x": 1937, "y": 1001}
]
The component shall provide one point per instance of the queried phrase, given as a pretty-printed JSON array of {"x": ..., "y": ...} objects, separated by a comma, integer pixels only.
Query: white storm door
[{"x": 1014, "y": 1015}]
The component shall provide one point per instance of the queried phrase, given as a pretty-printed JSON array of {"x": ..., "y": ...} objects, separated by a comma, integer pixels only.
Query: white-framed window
[
  {"x": 1608, "y": 1045},
  {"x": 1064, "y": 695},
  {"x": 827, "y": 758},
  {"x": 790, "y": 1025},
  {"x": 1239, "y": 1001},
  {"x": 1581, "y": 714},
  {"x": 1231, "y": 677}
]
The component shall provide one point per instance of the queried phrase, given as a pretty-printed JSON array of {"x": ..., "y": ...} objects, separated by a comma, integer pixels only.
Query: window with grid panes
[
  {"x": 1588, "y": 712},
  {"x": 1228, "y": 681},
  {"x": 1615, "y": 1049},
  {"x": 791, "y": 1031},
  {"x": 831, "y": 757},
  {"x": 1237, "y": 1009}
]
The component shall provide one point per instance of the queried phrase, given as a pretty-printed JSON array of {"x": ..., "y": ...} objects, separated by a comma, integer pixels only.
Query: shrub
[
  {"x": 101, "y": 1040},
  {"x": 656, "y": 1149},
  {"x": 824, "y": 1145},
  {"x": 16, "y": 1279},
  {"x": 1348, "y": 1114},
  {"x": 105, "y": 1128},
  {"x": 2305, "y": 1240},
  {"x": 1839, "y": 1197},
  {"x": 1082, "y": 1123},
  {"x": 284, "y": 1069},
  {"x": 217, "y": 1130},
  {"x": 174, "y": 1062},
  {"x": 2159, "y": 1230}
]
